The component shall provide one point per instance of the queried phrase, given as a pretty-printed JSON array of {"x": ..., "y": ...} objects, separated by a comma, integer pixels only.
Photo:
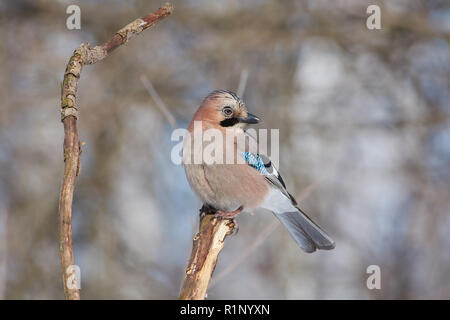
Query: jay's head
[{"x": 225, "y": 109}]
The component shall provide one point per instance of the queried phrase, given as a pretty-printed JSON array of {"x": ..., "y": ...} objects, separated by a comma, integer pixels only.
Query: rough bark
[
  {"x": 72, "y": 150},
  {"x": 207, "y": 244}
]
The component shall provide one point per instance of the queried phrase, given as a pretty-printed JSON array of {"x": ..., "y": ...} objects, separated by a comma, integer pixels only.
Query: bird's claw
[
  {"x": 231, "y": 216},
  {"x": 206, "y": 209},
  {"x": 236, "y": 226},
  {"x": 233, "y": 220}
]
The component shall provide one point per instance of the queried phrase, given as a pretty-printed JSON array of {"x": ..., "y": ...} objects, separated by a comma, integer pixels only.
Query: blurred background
[{"x": 364, "y": 142}]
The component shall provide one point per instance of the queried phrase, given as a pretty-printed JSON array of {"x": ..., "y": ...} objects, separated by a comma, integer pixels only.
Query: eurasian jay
[{"x": 227, "y": 189}]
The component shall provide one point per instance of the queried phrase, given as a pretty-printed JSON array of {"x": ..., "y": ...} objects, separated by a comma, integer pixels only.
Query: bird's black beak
[{"x": 251, "y": 119}]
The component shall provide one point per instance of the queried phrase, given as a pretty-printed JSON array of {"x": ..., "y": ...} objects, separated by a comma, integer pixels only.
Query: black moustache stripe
[{"x": 229, "y": 122}]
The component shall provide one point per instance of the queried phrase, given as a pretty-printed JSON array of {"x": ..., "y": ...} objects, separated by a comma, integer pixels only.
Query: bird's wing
[
  {"x": 264, "y": 166},
  {"x": 308, "y": 235}
]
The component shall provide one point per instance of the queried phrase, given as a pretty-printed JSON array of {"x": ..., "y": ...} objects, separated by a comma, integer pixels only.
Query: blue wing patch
[
  {"x": 255, "y": 161},
  {"x": 268, "y": 170}
]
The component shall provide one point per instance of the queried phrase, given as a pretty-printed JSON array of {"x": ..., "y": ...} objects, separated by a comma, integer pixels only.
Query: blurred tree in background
[{"x": 363, "y": 115}]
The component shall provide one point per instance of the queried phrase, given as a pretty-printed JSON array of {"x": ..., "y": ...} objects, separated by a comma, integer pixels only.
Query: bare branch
[
  {"x": 157, "y": 99},
  {"x": 242, "y": 82},
  {"x": 72, "y": 150},
  {"x": 207, "y": 244}
]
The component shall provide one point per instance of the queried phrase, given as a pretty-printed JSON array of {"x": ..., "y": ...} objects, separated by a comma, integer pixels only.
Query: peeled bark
[{"x": 207, "y": 244}]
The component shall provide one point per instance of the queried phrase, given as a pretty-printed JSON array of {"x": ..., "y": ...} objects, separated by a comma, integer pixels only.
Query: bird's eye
[{"x": 227, "y": 111}]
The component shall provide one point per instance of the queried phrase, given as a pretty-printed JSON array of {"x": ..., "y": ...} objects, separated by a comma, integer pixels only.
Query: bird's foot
[
  {"x": 229, "y": 215},
  {"x": 206, "y": 209},
  {"x": 235, "y": 226},
  {"x": 232, "y": 216}
]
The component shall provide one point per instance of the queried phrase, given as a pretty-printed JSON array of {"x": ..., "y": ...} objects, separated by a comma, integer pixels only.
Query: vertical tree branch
[
  {"x": 69, "y": 113},
  {"x": 207, "y": 244}
]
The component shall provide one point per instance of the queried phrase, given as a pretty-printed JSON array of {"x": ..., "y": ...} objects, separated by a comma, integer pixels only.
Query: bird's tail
[{"x": 308, "y": 235}]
